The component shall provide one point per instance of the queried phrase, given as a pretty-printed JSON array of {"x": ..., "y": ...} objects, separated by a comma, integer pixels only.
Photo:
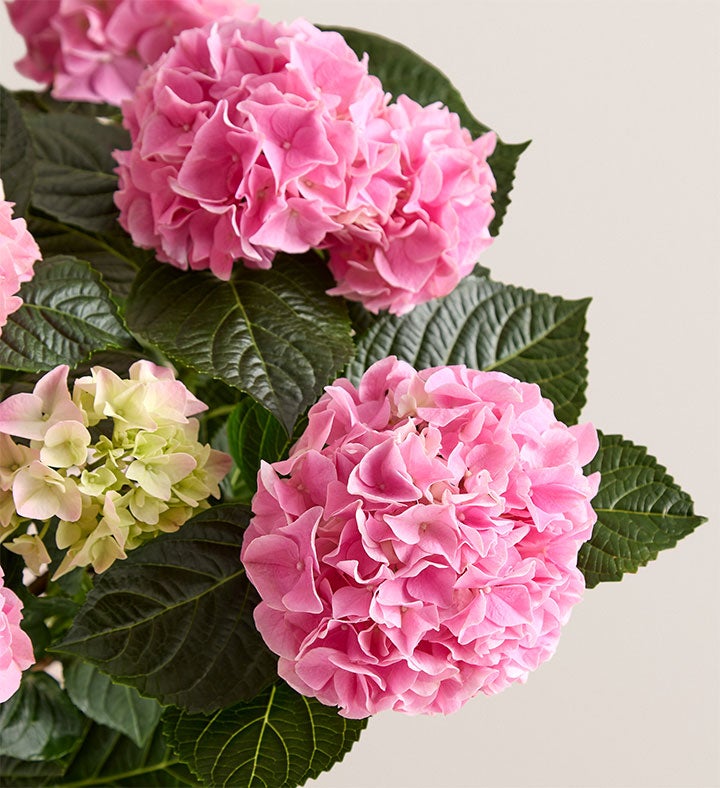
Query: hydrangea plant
[{"x": 233, "y": 254}]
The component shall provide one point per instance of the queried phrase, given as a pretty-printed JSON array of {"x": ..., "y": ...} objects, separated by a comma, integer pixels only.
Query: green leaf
[
  {"x": 175, "y": 619},
  {"x": 403, "y": 71},
  {"x": 118, "y": 707},
  {"x": 274, "y": 334},
  {"x": 487, "y": 325},
  {"x": 232, "y": 488},
  {"x": 103, "y": 757},
  {"x": 279, "y": 738},
  {"x": 254, "y": 435},
  {"x": 360, "y": 318},
  {"x": 113, "y": 257},
  {"x": 108, "y": 758},
  {"x": 17, "y": 158},
  {"x": 12, "y": 566},
  {"x": 37, "y": 612},
  {"x": 74, "y": 178},
  {"x": 53, "y": 606},
  {"x": 503, "y": 164},
  {"x": 35, "y": 101},
  {"x": 640, "y": 510},
  {"x": 46, "y": 618},
  {"x": 67, "y": 315},
  {"x": 220, "y": 399},
  {"x": 16, "y": 772},
  {"x": 39, "y": 723}
]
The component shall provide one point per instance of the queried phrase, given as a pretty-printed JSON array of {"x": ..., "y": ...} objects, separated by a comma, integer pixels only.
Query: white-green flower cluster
[{"x": 116, "y": 462}]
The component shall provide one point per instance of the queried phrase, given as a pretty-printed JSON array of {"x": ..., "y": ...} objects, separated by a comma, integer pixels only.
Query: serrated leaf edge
[
  {"x": 42, "y": 309},
  {"x": 619, "y": 442}
]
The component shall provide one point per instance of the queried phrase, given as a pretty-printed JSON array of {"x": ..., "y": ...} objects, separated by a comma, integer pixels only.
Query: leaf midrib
[
  {"x": 98, "y": 780},
  {"x": 73, "y": 169},
  {"x": 635, "y": 512},
  {"x": 264, "y": 725},
  {"x": 578, "y": 306}
]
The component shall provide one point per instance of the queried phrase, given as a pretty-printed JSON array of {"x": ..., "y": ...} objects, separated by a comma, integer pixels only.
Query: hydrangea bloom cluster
[
  {"x": 250, "y": 138},
  {"x": 420, "y": 543},
  {"x": 430, "y": 236},
  {"x": 117, "y": 462},
  {"x": 18, "y": 254},
  {"x": 255, "y": 128},
  {"x": 16, "y": 651},
  {"x": 95, "y": 50}
]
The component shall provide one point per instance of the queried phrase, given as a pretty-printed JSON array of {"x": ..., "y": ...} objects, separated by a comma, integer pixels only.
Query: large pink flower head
[
  {"x": 420, "y": 544},
  {"x": 16, "y": 651},
  {"x": 95, "y": 50},
  {"x": 18, "y": 254},
  {"x": 254, "y": 138},
  {"x": 439, "y": 220},
  {"x": 246, "y": 140}
]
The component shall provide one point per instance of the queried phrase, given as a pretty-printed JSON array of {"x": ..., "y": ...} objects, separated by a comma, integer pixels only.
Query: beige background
[{"x": 618, "y": 197}]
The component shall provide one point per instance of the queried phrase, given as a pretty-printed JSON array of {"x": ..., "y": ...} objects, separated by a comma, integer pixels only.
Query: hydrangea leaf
[
  {"x": 278, "y": 739},
  {"x": 39, "y": 723},
  {"x": 103, "y": 757},
  {"x": 106, "y": 757},
  {"x": 116, "y": 706},
  {"x": 43, "y": 617},
  {"x": 640, "y": 510},
  {"x": 254, "y": 435},
  {"x": 74, "y": 174},
  {"x": 487, "y": 325},
  {"x": 403, "y": 71},
  {"x": 114, "y": 257},
  {"x": 67, "y": 315},
  {"x": 12, "y": 566},
  {"x": 16, "y": 773},
  {"x": 42, "y": 102},
  {"x": 274, "y": 334},
  {"x": 174, "y": 620},
  {"x": 17, "y": 157}
]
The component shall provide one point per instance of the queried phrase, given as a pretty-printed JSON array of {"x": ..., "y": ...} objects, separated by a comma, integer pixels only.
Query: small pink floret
[
  {"x": 420, "y": 544},
  {"x": 18, "y": 254},
  {"x": 16, "y": 651},
  {"x": 439, "y": 220}
]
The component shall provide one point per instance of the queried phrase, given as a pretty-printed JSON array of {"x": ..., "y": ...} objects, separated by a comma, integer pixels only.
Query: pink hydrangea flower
[
  {"x": 439, "y": 222},
  {"x": 16, "y": 651},
  {"x": 95, "y": 50},
  {"x": 248, "y": 139},
  {"x": 253, "y": 138},
  {"x": 420, "y": 544},
  {"x": 18, "y": 254}
]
